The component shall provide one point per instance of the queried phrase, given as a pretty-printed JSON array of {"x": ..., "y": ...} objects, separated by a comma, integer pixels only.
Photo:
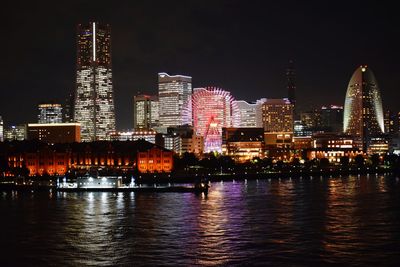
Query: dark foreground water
[{"x": 307, "y": 222}]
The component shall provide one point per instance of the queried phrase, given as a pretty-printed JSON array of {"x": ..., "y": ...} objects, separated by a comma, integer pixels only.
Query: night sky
[{"x": 241, "y": 46}]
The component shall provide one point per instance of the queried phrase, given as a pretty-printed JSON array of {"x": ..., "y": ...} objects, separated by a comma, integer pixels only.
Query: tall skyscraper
[
  {"x": 50, "y": 113},
  {"x": 278, "y": 115},
  {"x": 291, "y": 83},
  {"x": 174, "y": 95},
  {"x": 94, "y": 100},
  {"x": 145, "y": 112},
  {"x": 363, "y": 113}
]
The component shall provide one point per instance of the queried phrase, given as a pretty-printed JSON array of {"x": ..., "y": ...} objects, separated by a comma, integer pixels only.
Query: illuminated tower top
[{"x": 94, "y": 45}]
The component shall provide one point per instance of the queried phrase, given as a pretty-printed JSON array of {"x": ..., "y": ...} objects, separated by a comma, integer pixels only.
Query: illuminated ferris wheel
[{"x": 212, "y": 109}]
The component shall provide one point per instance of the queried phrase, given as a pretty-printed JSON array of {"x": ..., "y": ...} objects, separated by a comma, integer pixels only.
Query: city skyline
[{"x": 245, "y": 53}]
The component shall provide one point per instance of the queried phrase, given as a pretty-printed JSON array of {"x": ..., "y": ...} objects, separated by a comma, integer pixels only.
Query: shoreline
[{"x": 158, "y": 182}]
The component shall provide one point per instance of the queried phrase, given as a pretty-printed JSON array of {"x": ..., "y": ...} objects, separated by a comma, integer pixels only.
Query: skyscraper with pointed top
[{"x": 94, "y": 99}]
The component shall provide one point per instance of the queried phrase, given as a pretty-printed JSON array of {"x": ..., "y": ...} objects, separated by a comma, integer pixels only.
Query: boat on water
[{"x": 114, "y": 184}]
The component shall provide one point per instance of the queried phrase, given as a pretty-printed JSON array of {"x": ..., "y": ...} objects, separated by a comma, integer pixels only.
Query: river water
[{"x": 339, "y": 221}]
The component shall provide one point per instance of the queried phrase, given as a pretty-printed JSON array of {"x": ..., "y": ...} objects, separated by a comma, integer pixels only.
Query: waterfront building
[
  {"x": 15, "y": 132},
  {"x": 41, "y": 158},
  {"x": 170, "y": 141},
  {"x": 54, "y": 132},
  {"x": 213, "y": 109},
  {"x": 332, "y": 146},
  {"x": 147, "y": 135},
  {"x": 363, "y": 113},
  {"x": 174, "y": 95},
  {"x": 50, "y": 113},
  {"x": 243, "y": 144},
  {"x": 145, "y": 112},
  {"x": 1, "y": 129},
  {"x": 156, "y": 159},
  {"x": 94, "y": 100}
]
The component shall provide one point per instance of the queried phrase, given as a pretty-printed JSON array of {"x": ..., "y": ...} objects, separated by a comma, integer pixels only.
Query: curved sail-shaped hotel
[{"x": 363, "y": 113}]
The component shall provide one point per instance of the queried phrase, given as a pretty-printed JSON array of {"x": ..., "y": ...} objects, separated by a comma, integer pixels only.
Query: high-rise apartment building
[
  {"x": 278, "y": 115},
  {"x": 174, "y": 95},
  {"x": 145, "y": 112},
  {"x": 363, "y": 113},
  {"x": 94, "y": 100},
  {"x": 50, "y": 113}
]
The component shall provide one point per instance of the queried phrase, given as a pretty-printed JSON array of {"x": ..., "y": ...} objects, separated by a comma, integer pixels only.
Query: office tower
[
  {"x": 363, "y": 113},
  {"x": 278, "y": 115},
  {"x": 94, "y": 103},
  {"x": 213, "y": 109},
  {"x": 50, "y": 113},
  {"x": 332, "y": 118},
  {"x": 250, "y": 114},
  {"x": 15, "y": 132},
  {"x": 291, "y": 83},
  {"x": 1, "y": 129},
  {"x": 174, "y": 96},
  {"x": 145, "y": 112}
]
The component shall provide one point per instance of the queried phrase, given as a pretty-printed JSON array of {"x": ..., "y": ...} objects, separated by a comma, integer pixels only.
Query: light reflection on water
[{"x": 344, "y": 220}]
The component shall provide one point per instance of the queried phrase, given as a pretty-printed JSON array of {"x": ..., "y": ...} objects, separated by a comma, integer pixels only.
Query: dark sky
[{"x": 241, "y": 46}]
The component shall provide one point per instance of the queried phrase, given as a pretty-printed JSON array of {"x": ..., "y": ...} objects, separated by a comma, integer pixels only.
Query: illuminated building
[
  {"x": 363, "y": 114},
  {"x": 277, "y": 115},
  {"x": 243, "y": 144},
  {"x": 300, "y": 129},
  {"x": 155, "y": 159},
  {"x": 1, "y": 129},
  {"x": 333, "y": 147},
  {"x": 174, "y": 95},
  {"x": 171, "y": 141},
  {"x": 94, "y": 103},
  {"x": 189, "y": 141},
  {"x": 145, "y": 112},
  {"x": 55, "y": 132},
  {"x": 50, "y": 113},
  {"x": 15, "y": 132},
  {"x": 42, "y": 158},
  {"x": 147, "y": 135},
  {"x": 213, "y": 109},
  {"x": 250, "y": 114},
  {"x": 391, "y": 122}
]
